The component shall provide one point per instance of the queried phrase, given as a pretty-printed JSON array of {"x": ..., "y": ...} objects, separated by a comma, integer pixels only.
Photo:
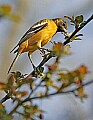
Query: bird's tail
[{"x": 15, "y": 59}]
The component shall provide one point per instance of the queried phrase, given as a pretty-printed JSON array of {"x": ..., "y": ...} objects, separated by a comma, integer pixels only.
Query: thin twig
[
  {"x": 49, "y": 95},
  {"x": 35, "y": 88},
  {"x": 68, "y": 40},
  {"x": 62, "y": 92},
  {"x": 45, "y": 59},
  {"x": 5, "y": 98}
]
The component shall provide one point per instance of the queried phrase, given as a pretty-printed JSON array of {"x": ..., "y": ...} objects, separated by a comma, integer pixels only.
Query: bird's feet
[{"x": 44, "y": 50}]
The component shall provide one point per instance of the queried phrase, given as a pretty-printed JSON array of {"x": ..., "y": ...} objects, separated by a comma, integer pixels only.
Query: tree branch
[
  {"x": 5, "y": 98},
  {"x": 68, "y": 40},
  {"x": 45, "y": 59},
  {"x": 49, "y": 95},
  {"x": 62, "y": 92}
]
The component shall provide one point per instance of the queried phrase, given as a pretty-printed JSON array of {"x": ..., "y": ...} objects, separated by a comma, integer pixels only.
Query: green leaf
[
  {"x": 14, "y": 17},
  {"x": 55, "y": 87},
  {"x": 5, "y": 9},
  {"x": 75, "y": 37},
  {"x": 69, "y": 18},
  {"x": 3, "y": 114},
  {"x": 79, "y": 19},
  {"x": 82, "y": 24},
  {"x": 2, "y": 86}
]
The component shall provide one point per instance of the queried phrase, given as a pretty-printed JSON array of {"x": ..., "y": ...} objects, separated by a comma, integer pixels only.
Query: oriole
[{"x": 38, "y": 35}]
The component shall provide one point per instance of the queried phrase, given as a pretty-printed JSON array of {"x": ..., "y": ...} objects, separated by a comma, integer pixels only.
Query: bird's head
[{"x": 61, "y": 24}]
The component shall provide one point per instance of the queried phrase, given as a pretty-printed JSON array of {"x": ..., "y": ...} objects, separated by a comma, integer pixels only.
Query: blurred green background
[{"x": 63, "y": 107}]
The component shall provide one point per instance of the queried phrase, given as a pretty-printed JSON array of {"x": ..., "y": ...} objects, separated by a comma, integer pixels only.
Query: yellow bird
[{"x": 38, "y": 35}]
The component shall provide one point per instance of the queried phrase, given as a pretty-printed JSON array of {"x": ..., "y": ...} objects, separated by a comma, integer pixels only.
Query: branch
[
  {"x": 49, "y": 95},
  {"x": 5, "y": 98},
  {"x": 37, "y": 86},
  {"x": 62, "y": 92},
  {"x": 45, "y": 59},
  {"x": 68, "y": 40}
]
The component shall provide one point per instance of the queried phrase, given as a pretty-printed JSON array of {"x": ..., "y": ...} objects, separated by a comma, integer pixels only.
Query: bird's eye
[{"x": 64, "y": 24}]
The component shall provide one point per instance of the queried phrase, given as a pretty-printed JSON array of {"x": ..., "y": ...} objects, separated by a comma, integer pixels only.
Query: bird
[{"x": 37, "y": 36}]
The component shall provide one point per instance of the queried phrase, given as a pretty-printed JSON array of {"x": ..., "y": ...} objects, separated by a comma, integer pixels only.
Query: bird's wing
[{"x": 33, "y": 30}]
